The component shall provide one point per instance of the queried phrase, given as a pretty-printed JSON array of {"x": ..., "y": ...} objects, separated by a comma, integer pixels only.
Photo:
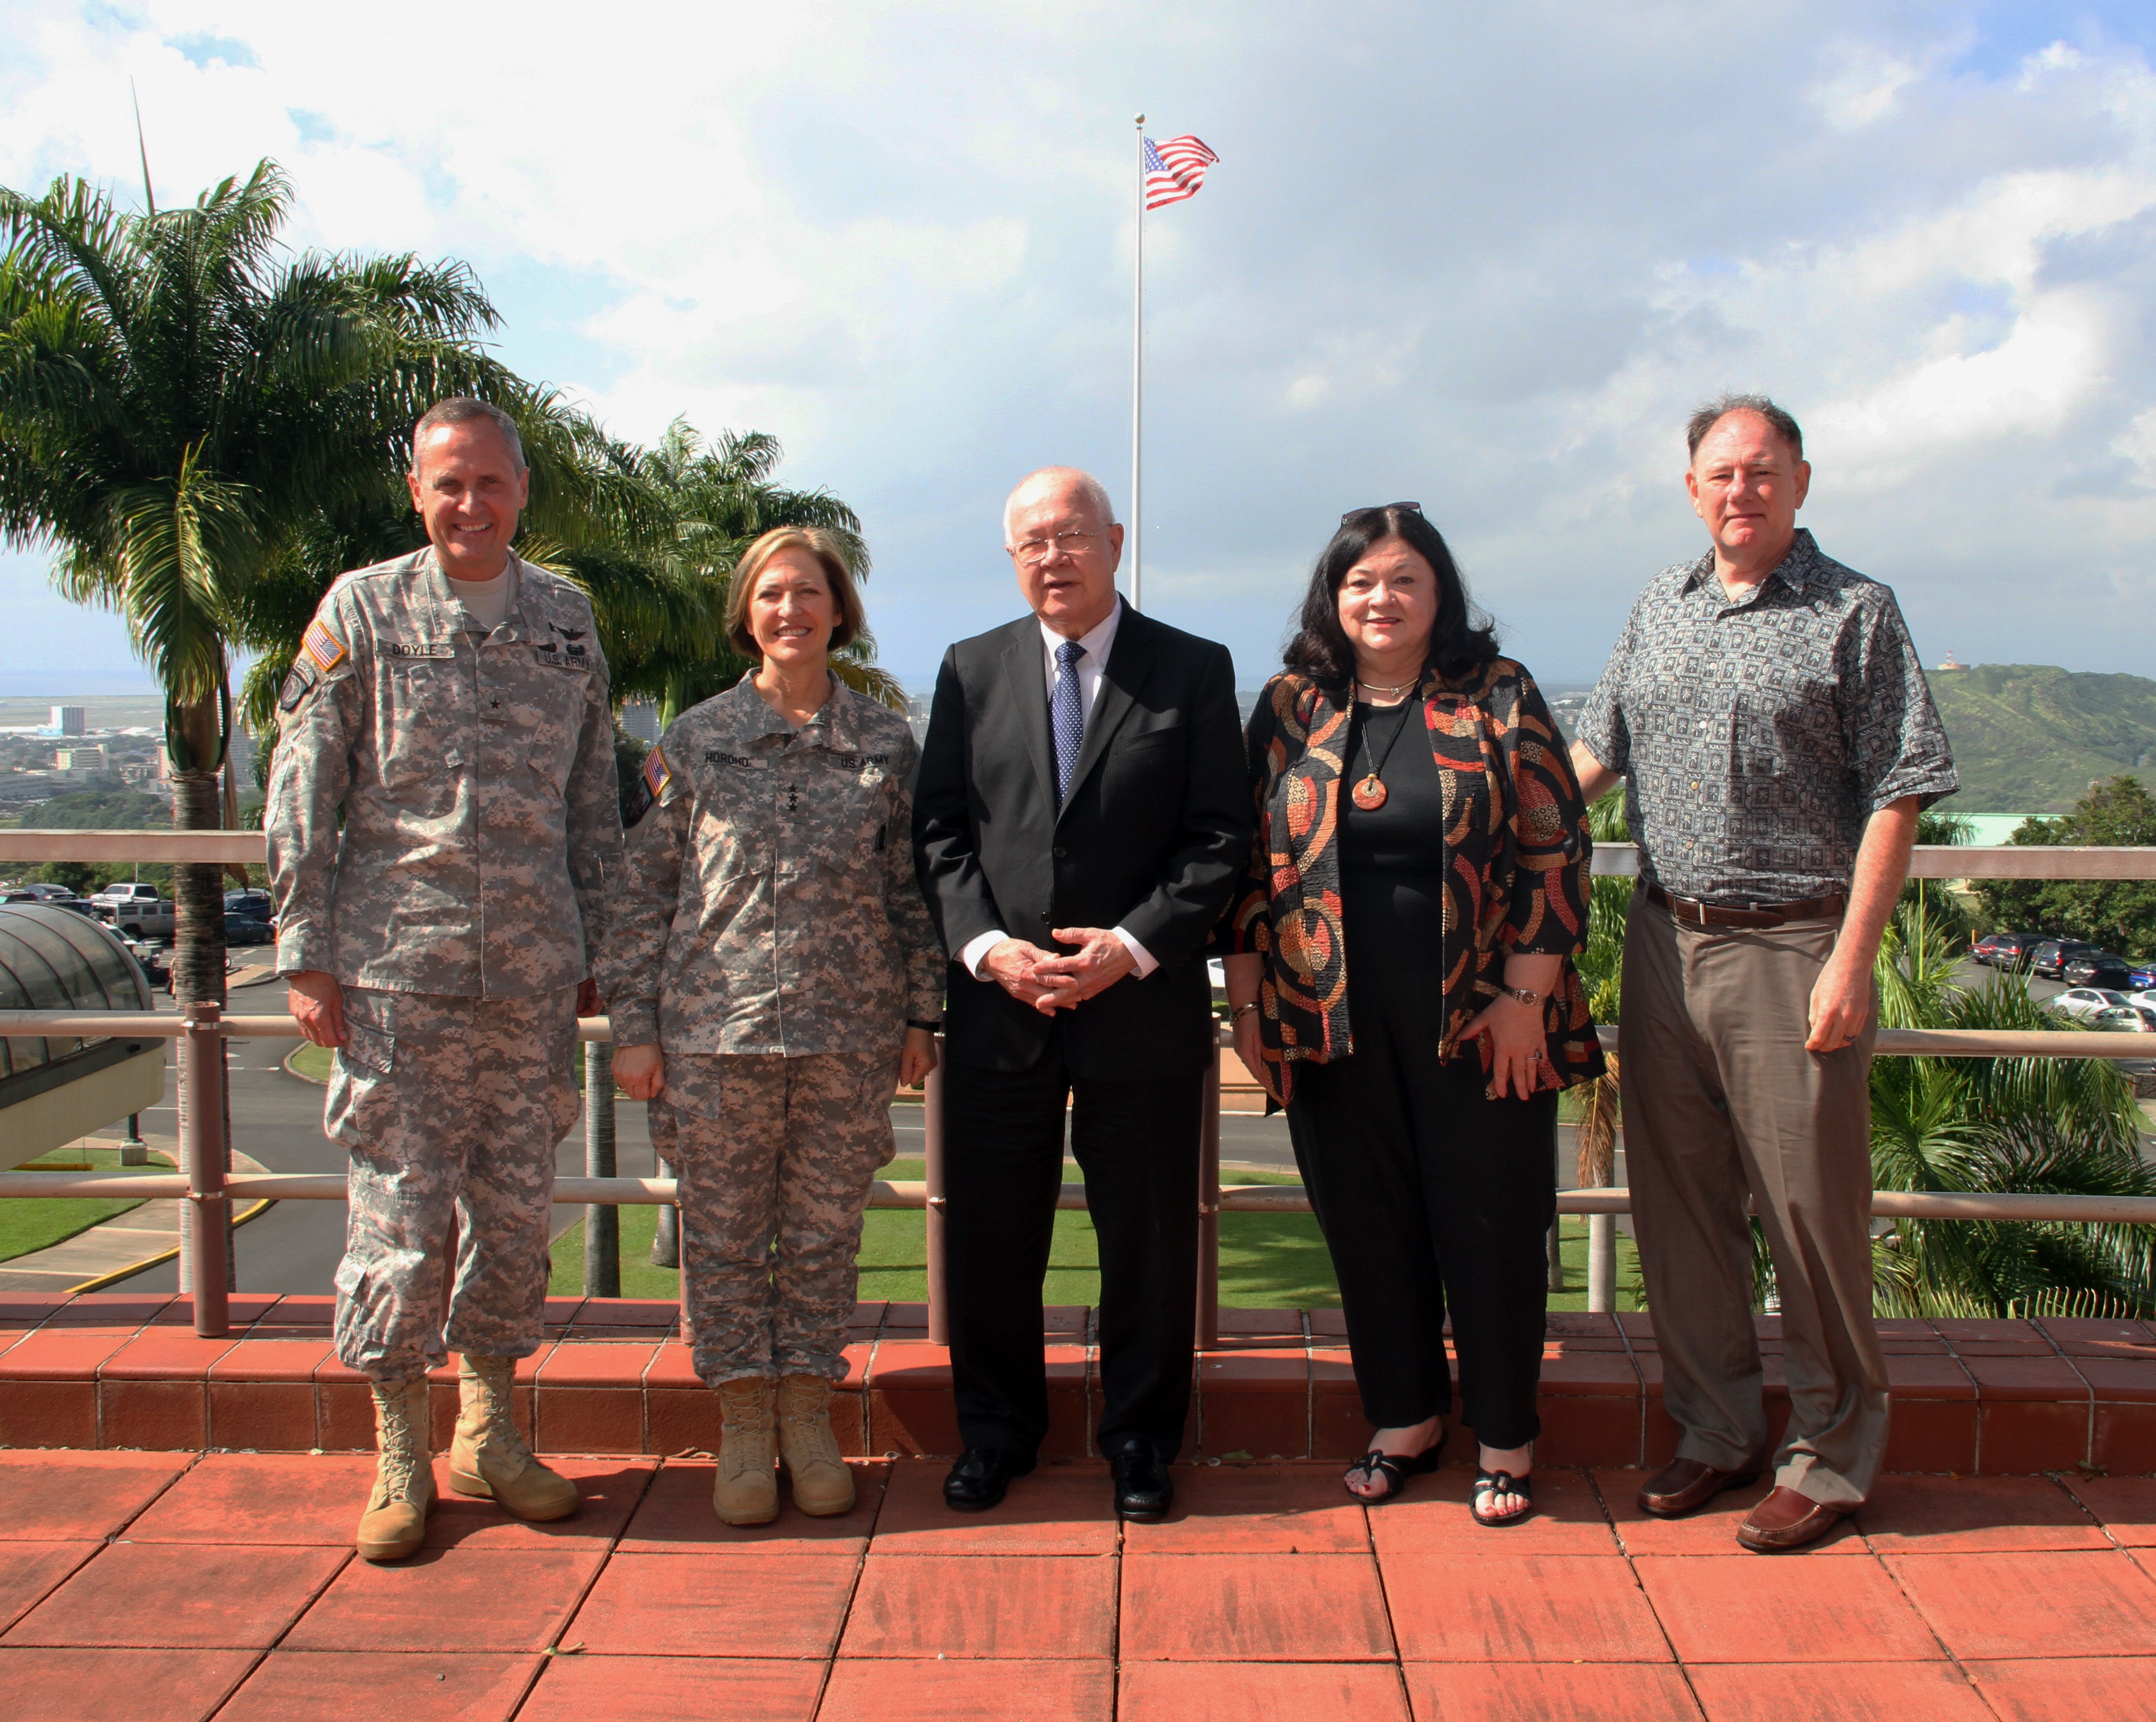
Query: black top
[{"x": 1391, "y": 858}]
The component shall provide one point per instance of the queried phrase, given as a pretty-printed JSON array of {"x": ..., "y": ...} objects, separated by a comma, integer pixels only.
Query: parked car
[
  {"x": 135, "y": 909},
  {"x": 259, "y": 903},
  {"x": 245, "y": 929},
  {"x": 58, "y": 896},
  {"x": 2125, "y": 1019},
  {"x": 2147, "y": 995},
  {"x": 2141, "y": 977},
  {"x": 2082, "y": 1003},
  {"x": 2049, "y": 958},
  {"x": 2011, "y": 951},
  {"x": 2097, "y": 968}
]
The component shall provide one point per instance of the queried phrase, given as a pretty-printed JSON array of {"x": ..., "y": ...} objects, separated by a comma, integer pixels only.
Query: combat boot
[
  {"x": 746, "y": 1491},
  {"x": 489, "y": 1457},
  {"x": 823, "y": 1481},
  {"x": 395, "y": 1521}
]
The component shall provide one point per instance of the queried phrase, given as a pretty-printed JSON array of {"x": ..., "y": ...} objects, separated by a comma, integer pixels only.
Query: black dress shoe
[
  {"x": 1144, "y": 1490},
  {"x": 978, "y": 1481}
]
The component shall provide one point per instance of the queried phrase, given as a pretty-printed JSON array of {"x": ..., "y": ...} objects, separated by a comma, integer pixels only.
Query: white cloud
[{"x": 1487, "y": 257}]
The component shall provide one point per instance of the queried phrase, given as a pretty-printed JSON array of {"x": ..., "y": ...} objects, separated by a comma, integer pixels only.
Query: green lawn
[
  {"x": 1267, "y": 1261},
  {"x": 33, "y": 1224}
]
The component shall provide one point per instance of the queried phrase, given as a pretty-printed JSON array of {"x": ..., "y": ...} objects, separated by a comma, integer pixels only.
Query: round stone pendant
[{"x": 1369, "y": 795}]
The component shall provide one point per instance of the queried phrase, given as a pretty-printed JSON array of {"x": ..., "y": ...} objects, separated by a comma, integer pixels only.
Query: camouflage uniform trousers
[
  {"x": 775, "y": 1158},
  {"x": 450, "y": 1107}
]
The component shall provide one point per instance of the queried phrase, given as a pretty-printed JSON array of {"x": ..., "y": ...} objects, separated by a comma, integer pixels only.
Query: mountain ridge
[{"x": 2029, "y": 738}]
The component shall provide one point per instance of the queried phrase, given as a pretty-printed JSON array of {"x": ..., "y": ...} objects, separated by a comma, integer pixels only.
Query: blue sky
[{"x": 1485, "y": 258}]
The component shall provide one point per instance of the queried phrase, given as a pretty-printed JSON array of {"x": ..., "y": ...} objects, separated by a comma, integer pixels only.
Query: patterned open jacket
[{"x": 1518, "y": 858}]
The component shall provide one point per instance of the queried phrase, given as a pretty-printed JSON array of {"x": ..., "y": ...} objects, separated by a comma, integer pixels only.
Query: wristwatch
[{"x": 1522, "y": 995}]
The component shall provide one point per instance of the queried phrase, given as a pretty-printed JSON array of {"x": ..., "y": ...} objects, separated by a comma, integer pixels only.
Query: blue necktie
[{"x": 1065, "y": 716}]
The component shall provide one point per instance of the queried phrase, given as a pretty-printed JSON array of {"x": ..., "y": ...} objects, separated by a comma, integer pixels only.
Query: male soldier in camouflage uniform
[
  {"x": 453, "y": 704},
  {"x": 774, "y": 965}
]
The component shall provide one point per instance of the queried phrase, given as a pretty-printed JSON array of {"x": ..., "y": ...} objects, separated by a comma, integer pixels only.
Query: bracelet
[
  {"x": 1521, "y": 995},
  {"x": 1242, "y": 1011},
  {"x": 926, "y": 1027}
]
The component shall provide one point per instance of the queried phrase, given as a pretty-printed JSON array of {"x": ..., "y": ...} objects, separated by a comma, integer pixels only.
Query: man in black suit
[{"x": 1081, "y": 817}]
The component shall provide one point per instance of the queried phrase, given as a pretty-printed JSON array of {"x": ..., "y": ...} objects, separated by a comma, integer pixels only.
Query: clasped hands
[{"x": 1051, "y": 982}]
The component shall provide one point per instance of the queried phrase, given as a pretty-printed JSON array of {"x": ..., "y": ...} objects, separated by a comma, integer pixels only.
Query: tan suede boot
[
  {"x": 746, "y": 1491},
  {"x": 395, "y": 1521},
  {"x": 489, "y": 1457},
  {"x": 823, "y": 1481}
]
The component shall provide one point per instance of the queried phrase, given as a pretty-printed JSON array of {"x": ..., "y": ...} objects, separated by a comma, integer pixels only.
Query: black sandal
[
  {"x": 1394, "y": 1470},
  {"x": 1503, "y": 1483}
]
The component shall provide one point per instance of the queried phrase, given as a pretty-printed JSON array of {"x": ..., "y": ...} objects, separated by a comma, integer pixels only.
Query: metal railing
[{"x": 203, "y": 1182}]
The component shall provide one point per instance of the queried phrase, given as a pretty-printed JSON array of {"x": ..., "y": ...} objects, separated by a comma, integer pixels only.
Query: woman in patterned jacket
[{"x": 1420, "y": 828}]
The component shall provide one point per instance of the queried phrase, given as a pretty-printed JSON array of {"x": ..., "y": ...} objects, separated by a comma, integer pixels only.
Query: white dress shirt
[{"x": 1096, "y": 644}]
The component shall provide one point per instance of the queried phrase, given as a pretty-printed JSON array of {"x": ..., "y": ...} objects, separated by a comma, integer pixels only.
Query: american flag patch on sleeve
[
  {"x": 324, "y": 648},
  {"x": 657, "y": 773}
]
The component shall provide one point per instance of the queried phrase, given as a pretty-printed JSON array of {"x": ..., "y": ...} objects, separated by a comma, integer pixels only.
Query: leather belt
[{"x": 1690, "y": 912}]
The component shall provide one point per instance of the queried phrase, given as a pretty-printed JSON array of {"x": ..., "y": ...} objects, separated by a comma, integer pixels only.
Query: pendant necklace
[{"x": 1369, "y": 793}]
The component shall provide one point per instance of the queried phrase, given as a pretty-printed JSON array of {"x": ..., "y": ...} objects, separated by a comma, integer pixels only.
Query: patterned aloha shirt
[
  {"x": 1517, "y": 844},
  {"x": 1757, "y": 737}
]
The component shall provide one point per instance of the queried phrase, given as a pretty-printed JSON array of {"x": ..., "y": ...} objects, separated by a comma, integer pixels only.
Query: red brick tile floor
[{"x": 139, "y": 1587}]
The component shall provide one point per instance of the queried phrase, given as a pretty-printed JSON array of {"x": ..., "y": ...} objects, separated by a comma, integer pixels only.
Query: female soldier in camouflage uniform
[{"x": 773, "y": 978}]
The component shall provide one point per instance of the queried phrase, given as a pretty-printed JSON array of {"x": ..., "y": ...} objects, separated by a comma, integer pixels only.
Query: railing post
[
  {"x": 205, "y": 1254},
  {"x": 1602, "y": 1263},
  {"x": 601, "y": 1222},
  {"x": 931, "y": 1173},
  {"x": 1208, "y": 1210}
]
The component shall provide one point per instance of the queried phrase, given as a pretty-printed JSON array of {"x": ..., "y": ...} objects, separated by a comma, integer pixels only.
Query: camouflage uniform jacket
[
  {"x": 768, "y": 905},
  {"x": 476, "y": 777}
]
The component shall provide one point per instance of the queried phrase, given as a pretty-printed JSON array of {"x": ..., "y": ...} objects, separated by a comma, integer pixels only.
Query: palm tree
[
  {"x": 2049, "y": 1127},
  {"x": 177, "y": 401},
  {"x": 660, "y": 601},
  {"x": 1601, "y": 967}
]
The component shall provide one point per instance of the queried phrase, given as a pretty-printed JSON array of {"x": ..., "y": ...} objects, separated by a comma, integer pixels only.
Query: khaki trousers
[{"x": 1722, "y": 1101}]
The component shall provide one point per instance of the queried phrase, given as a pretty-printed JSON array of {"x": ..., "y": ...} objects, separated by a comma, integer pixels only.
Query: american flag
[{"x": 1174, "y": 170}]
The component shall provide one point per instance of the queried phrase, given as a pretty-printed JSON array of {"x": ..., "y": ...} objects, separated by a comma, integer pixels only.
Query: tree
[
  {"x": 2120, "y": 915},
  {"x": 2051, "y": 1126},
  {"x": 661, "y": 602},
  {"x": 177, "y": 401}
]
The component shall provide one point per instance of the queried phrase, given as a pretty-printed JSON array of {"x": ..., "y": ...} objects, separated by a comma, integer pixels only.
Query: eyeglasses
[
  {"x": 1036, "y": 551},
  {"x": 1413, "y": 508}
]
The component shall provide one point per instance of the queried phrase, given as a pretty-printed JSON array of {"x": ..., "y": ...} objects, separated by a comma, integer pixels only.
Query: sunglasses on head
[{"x": 1413, "y": 508}]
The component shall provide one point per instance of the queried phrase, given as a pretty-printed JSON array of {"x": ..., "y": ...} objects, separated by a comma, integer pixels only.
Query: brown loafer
[
  {"x": 1787, "y": 1521},
  {"x": 1682, "y": 1485}
]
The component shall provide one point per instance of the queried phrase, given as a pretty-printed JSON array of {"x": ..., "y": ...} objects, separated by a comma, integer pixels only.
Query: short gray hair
[
  {"x": 1091, "y": 489},
  {"x": 463, "y": 409},
  {"x": 1719, "y": 408}
]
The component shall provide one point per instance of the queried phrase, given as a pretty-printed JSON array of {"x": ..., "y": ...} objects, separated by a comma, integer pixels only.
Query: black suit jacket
[{"x": 1153, "y": 838}]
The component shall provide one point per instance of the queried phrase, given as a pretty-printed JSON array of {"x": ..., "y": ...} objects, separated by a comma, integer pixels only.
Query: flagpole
[{"x": 1138, "y": 383}]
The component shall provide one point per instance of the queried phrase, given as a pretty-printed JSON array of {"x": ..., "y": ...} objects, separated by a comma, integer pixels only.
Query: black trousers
[
  {"x": 1429, "y": 1192},
  {"x": 1137, "y": 1144}
]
